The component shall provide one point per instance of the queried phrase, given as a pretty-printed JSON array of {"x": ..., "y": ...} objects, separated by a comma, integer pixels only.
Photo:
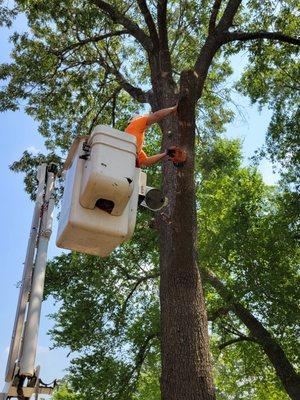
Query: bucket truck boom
[{"x": 22, "y": 376}]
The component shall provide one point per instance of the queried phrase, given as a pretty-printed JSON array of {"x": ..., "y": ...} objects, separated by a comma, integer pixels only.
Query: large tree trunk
[
  {"x": 186, "y": 370},
  {"x": 284, "y": 369}
]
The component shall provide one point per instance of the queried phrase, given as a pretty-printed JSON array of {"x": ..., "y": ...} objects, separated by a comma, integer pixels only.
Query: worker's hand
[
  {"x": 177, "y": 155},
  {"x": 171, "y": 152}
]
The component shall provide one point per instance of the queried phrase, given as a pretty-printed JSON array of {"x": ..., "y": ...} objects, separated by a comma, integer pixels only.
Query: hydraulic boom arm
[{"x": 22, "y": 377}]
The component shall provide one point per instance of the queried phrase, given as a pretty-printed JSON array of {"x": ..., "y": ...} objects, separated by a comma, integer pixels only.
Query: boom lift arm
[{"x": 22, "y": 377}]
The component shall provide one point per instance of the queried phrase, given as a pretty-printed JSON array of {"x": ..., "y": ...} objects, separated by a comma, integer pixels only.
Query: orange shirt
[{"x": 137, "y": 128}]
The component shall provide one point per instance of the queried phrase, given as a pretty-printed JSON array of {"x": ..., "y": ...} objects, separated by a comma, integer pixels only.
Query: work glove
[
  {"x": 177, "y": 155},
  {"x": 171, "y": 152}
]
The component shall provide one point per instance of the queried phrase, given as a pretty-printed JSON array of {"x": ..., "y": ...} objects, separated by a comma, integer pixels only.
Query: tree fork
[{"x": 186, "y": 369}]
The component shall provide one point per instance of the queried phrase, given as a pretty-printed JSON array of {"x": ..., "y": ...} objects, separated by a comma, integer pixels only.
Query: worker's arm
[
  {"x": 147, "y": 161},
  {"x": 159, "y": 115}
]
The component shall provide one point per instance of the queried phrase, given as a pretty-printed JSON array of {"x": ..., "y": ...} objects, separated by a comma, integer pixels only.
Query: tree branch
[
  {"x": 93, "y": 39},
  {"x": 178, "y": 30},
  {"x": 137, "y": 93},
  {"x": 94, "y": 120},
  {"x": 162, "y": 22},
  {"x": 139, "y": 360},
  {"x": 149, "y": 21},
  {"x": 284, "y": 369},
  {"x": 244, "y": 36},
  {"x": 213, "y": 17},
  {"x": 133, "y": 289},
  {"x": 204, "y": 60},
  {"x": 118, "y": 17},
  {"x": 165, "y": 57},
  {"x": 220, "y": 312},
  {"x": 237, "y": 340},
  {"x": 228, "y": 15},
  {"x": 141, "y": 355},
  {"x": 214, "y": 41}
]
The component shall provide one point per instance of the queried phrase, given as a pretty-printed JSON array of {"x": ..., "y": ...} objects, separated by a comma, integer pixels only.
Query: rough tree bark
[
  {"x": 284, "y": 369},
  {"x": 186, "y": 369}
]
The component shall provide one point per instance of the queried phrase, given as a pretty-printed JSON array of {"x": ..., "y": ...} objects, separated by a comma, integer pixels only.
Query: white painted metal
[
  {"x": 24, "y": 338},
  {"x": 143, "y": 183},
  {"x": 26, "y": 279},
  {"x": 154, "y": 199},
  {"x": 29, "y": 346},
  {"x": 109, "y": 170},
  {"x": 92, "y": 231}
]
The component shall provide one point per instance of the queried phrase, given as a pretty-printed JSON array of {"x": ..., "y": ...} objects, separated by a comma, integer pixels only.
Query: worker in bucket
[{"x": 138, "y": 126}]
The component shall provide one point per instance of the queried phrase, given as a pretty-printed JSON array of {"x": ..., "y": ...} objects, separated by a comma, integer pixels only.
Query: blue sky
[{"x": 19, "y": 132}]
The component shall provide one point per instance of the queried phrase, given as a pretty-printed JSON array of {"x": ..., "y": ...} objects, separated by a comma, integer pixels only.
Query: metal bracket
[{"x": 34, "y": 386}]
